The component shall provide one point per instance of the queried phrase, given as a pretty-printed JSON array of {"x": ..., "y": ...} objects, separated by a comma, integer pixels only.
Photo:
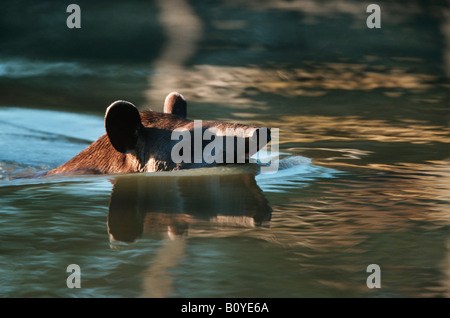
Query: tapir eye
[{"x": 122, "y": 123}]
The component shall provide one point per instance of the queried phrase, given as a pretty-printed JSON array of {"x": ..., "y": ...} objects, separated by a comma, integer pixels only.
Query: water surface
[{"x": 364, "y": 160}]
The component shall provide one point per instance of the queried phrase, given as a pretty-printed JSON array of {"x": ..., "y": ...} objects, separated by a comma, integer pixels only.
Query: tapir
[{"x": 143, "y": 141}]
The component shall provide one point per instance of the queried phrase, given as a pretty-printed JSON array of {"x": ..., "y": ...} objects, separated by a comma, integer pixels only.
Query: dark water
[{"x": 364, "y": 150}]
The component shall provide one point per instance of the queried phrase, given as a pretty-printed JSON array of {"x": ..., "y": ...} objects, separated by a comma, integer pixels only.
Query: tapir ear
[
  {"x": 123, "y": 124},
  {"x": 175, "y": 104}
]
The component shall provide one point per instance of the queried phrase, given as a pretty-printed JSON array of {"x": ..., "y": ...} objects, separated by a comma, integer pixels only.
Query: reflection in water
[
  {"x": 154, "y": 204},
  {"x": 157, "y": 281},
  {"x": 142, "y": 204},
  {"x": 183, "y": 30},
  {"x": 445, "y": 29}
]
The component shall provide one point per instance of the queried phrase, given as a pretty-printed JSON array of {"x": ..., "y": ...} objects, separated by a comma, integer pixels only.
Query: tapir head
[
  {"x": 151, "y": 141},
  {"x": 168, "y": 141}
]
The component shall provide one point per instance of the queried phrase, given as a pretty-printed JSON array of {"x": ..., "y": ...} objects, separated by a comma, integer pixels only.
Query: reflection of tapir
[
  {"x": 159, "y": 203},
  {"x": 143, "y": 141}
]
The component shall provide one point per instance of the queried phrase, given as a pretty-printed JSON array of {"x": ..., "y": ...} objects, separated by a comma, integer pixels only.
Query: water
[{"x": 364, "y": 150}]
